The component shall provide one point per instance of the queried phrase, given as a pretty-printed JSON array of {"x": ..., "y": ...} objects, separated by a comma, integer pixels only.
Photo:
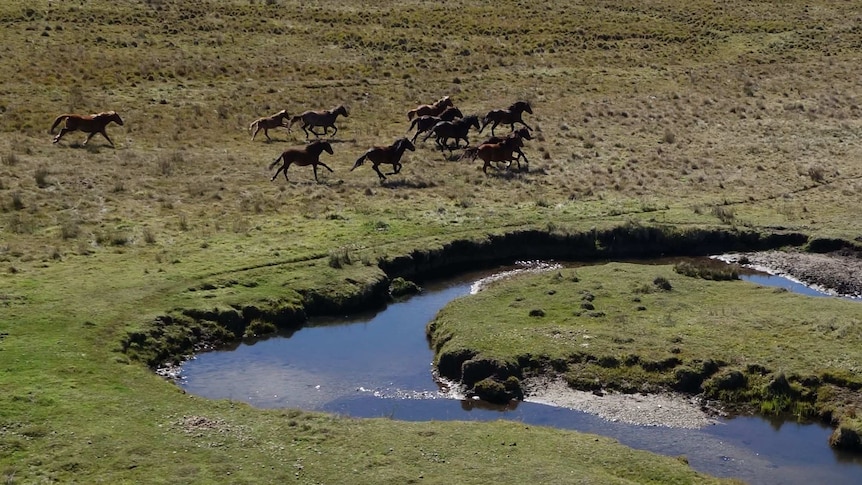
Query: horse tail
[
  {"x": 275, "y": 162},
  {"x": 360, "y": 161},
  {"x": 57, "y": 121},
  {"x": 292, "y": 121},
  {"x": 470, "y": 152},
  {"x": 412, "y": 125},
  {"x": 411, "y": 114},
  {"x": 252, "y": 125}
]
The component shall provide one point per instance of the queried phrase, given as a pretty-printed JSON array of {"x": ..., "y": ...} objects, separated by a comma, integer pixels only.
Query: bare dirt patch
[
  {"x": 838, "y": 273},
  {"x": 665, "y": 409}
]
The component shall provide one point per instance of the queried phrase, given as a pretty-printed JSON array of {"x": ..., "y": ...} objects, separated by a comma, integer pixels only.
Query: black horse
[
  {"x": 508, "y": 116},
  {"x": 302, "y": 156},
  {"x": 457, "y": 129},
  {"x": 391, "y": 155}
]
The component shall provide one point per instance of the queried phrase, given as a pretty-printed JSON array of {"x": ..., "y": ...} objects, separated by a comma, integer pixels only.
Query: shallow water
[{"x": 379, "y": 364}]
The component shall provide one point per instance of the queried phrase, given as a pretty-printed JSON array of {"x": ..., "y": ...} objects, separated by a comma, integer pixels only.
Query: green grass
[{"x": 645, "y": 114}]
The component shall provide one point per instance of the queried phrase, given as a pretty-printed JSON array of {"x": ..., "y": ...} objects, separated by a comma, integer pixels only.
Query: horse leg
[
  {"x": 266, "y": 134},
  {"x": 335, "y": 128},
  {"x": 63, "y": 131},
  {"x": 304, "y": 128},
  {"x": 105, "y": 134},
  {"x": 379, "y": 173},
  {"x": 324, "y": 166}
]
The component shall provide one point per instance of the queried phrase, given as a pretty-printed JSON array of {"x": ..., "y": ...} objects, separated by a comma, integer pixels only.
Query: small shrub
[
  {"x": 706, "y": 271},
  {"x": 70, "y": 229},
  {"x": 41, "y": 176},
  {"x": 662, "y": 283},
  {"x": 339, "y": 257},
  {"x": 149, "y": 236},
  {"x": 10, "y": 159},
  {"x": 724, "y": 214},
  {"x": 401, "y": 287},
  {"x": 669, "y": 137},
  {"x": 817, "y": 174},
  {"x": 17, "y": 202}
]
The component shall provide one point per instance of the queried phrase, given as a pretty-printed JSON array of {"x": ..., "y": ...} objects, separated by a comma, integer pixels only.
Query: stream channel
[{"x": 378, "y": 364}]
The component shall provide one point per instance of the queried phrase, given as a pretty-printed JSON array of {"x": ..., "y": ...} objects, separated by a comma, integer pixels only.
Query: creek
[{"x": 379, "y": 364}]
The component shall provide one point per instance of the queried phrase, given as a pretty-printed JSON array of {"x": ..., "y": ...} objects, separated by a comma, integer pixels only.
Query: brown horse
[
  {"x": 325, "y": 118},
  {"x": 503, "y": 151},
  {"x": 508, "y": 116},
  {"x": 302, "y": 156},
  {"x": 425, "y": 122},
  {"x": 523, "y": 133},
  {"x": 267, "y": 123},
  {"x": 91, "y": 124},
  {"x": 430, "y": 109},
  {"x": 390, "y": 155},
  {"x": 456, "y": 129}
]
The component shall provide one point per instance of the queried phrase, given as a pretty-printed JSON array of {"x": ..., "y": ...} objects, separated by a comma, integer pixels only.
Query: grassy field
[{"x": 739, "y": 116}]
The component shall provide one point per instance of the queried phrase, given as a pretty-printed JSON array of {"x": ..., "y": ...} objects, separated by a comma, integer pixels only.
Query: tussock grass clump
[{"x": 716, "y": 272}]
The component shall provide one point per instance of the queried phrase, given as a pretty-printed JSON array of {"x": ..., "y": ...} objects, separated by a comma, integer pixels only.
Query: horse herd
[{"x": 441, "y": 119}]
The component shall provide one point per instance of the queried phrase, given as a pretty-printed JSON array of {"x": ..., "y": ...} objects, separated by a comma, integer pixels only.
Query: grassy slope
[{"x": 644, "y": 112}]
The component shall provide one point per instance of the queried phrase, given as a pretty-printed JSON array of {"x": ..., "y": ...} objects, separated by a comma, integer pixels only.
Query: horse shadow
[{"x": 407, "y": 184}]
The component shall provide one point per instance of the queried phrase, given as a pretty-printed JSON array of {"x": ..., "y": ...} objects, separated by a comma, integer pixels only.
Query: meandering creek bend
[{"x": 379, "y": 364}]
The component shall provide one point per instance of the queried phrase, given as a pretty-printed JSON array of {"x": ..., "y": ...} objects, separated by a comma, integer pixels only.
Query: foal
[
  {"x": 302, "y": 156},
  {"x": 267, "y": 123},
  {"x": 508, "y": 116},
  {"x": 91, "y": 124},
  {"x": 325, "y": 118},
  {"x": 390, "y": 155}
]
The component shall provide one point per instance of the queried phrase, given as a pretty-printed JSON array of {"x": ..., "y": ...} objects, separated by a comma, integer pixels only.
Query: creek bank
[{"x": 172, "y": 337}]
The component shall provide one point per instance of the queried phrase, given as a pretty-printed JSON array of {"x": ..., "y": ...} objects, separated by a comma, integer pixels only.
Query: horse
[
  {"x": 267, "y": 123},
  {"x": 302, "y": 156},
  {"x": 508, "y": 116},
  {"x": 91, "y": 124},
  {"x": 457, "y": 129},
  {"x": 426, "y": 122},
  {"x": 503, "y": 151},
  {"x": 390, "y": 155},
  {"x": 522, "y": 133},
  {"x": 325, "y": 118},
  {"x": 430, "y": 109}
]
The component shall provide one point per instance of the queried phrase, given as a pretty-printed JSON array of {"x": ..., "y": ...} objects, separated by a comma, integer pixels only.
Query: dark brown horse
[
  {"x": 424, "y": 123},
  {"x": 522, "y": 133},
  {"x": 275, "y": 121},
  {"x": 430, "y": 109},
  {"x": 503, "y": 151},
  {"x": 91, "y": 124},
  {"x": 325, "y": 118},
  {"x": 457, "y": 129},
  {"x": 302, "y": 156},
  {"x": 508, "y": 116},
  {"x": 390, "y": 155}
]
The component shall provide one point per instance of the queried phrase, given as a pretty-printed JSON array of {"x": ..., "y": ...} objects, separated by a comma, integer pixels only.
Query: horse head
[
  {"x": 521, "y": 106},
  {"x": 404, "y": 144},
  {"x": 325, "y": 146},
  {"x": 444, "y": 101},
  {"x": 342, "y": 110},
  {"x": 281, "y": 115},
  {"x": 524, "y": 133},
  {"x": 109, "y": 116},
  {"x": 472, "y": 120},
  {"x": 450, "y": 113}
]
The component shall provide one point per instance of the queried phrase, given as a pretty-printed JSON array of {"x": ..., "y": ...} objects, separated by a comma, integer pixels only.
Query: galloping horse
[
  {"x": 268, "y": 123},
  {"x": 304, "y": 156},
  {"x": 456, "y": 129},
  {"x": 91, "y": 124},
  {"x": 325, "y": 118},
  {"x": 503, "y": 151},
  {"x": 390, "y": 155},
  {"x": 430, "y": 109},
  {"x": 508, "y": 116},
  {"x": 522, "y": 133},
  {"x": 426, "y": 122}
]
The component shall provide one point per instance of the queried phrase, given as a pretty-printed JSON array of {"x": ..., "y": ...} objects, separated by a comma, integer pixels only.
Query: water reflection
[{"x": 379, "y": 365}]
